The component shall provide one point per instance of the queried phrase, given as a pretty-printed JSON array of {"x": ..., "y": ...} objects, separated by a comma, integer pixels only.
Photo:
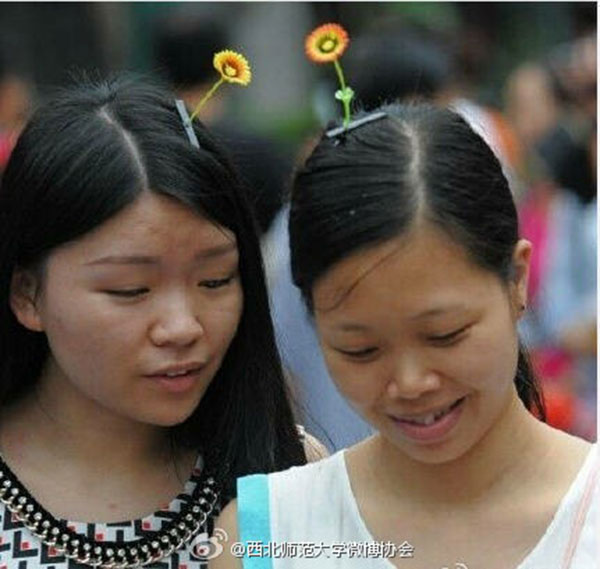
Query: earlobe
[
  {"x": 521, "y": 263},
  {"x": 23, "y": 288}
]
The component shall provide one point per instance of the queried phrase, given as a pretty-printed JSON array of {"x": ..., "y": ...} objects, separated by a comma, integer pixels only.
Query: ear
[
  {"x": 23, "y": 297},
  {"x": 521, "y": 262}
]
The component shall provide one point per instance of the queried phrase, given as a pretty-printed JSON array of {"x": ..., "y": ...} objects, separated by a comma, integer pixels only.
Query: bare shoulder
[
  {"x": 227, "y": 521},
  {"x": 564, "y": 457},
  {"x": 572, "y": 449}
]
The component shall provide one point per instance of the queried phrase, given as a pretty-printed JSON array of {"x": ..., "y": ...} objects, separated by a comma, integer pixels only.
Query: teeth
[
  {"x": 431, "y": 418},
  {"x": 427, "y": 420},
  {"x": 176, "y": 373},
  {"x": 441, "y": 413}
]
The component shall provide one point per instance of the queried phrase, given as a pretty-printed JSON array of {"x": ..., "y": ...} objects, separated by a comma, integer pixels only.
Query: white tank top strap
[{"x": 581, "y": 515}]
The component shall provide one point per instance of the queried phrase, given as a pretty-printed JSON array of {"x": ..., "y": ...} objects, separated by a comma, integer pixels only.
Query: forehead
[
  {"x": 155, "y": 223},
  {"x": 421, "y": 269}
]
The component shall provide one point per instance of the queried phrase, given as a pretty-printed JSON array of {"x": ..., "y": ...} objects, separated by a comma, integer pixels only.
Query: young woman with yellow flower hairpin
[
  {"x": 405, "y": 245},
  {"x": 138, "y": 370}
]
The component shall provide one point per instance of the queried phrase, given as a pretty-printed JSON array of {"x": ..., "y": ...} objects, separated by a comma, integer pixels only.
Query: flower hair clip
[
  {"x": 326, "y": 44},
  {"x": 233, "y": 67},
  {"x": 335, "y": 132}
]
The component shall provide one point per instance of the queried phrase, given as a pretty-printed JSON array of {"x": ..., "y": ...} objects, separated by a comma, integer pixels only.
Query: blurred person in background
[
  {"x": 395, "y": 62},
  {"x": 552, "y": 106},
  {"x": 398, "y": 63},
  {"x": 15, "y": 101},
  {"x": 531, "y": 103}
]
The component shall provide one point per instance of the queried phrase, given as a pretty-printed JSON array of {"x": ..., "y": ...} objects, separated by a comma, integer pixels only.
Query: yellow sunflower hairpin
[
  {"x": 233, "y": 68},
  {"x": 326, "y": 44}
]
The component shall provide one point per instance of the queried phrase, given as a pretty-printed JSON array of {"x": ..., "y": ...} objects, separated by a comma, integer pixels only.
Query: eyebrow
[
  {"x": 210, "y": 253},
  {"x": 437, "y": 311},
  {"x": 430, "y": 313}
]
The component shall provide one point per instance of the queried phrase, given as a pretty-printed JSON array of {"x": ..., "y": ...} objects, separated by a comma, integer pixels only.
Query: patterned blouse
[{"x": 20, "y": 549}]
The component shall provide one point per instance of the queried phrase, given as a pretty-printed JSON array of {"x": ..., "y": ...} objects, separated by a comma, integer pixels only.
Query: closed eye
[
  {"x": 128, "y": 293},
  {"x": 359, "y": 354},
  {"x": 216, "y": 283},
  {"x": 448, "y": 339}
]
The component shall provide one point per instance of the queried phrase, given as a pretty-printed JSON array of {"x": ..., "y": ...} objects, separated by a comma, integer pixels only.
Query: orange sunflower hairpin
[
  {"x": 326, "y": 44},
  {"x": 233, "y": 68}
]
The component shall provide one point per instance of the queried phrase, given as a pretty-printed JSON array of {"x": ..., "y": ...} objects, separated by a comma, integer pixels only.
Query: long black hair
[
  {"x": 372, "y": 183},
  {"x": 82, "y": 158}
]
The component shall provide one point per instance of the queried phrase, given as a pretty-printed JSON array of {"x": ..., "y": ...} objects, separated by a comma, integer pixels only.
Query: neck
[
  {"x": 508, "y": 450},
  {"x": 55, "y": 423}
]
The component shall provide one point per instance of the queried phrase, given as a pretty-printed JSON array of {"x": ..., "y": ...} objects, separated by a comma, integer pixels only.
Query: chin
[
  {"x": 436, "y": 456},
  {"x": 167, "y": 422},
  {"x": 173, "y": 413},
  {"x": 443, "y": 452},
  {"x": 167, "y": 418}
]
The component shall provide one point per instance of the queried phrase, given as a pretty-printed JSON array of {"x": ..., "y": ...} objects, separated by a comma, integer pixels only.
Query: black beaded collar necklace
[{"x": 177, "y": 533}]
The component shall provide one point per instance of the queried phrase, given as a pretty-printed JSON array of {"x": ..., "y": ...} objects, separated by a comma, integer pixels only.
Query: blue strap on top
[{"x": 253, "y": 520}]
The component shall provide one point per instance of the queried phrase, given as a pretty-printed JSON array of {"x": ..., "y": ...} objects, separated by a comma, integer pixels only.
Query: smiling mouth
[{"x": 428, "y": 419}]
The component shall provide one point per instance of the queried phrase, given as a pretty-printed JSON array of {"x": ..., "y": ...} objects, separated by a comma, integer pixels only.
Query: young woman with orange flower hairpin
[
  {"x": 138, "y": 369},
  {"x": 405, "y": 245}
]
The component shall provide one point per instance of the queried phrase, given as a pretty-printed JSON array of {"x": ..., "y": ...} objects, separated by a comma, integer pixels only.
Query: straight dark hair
[
  {"x": 374, "y": 183},
  {"x": 82, "y": 158}
]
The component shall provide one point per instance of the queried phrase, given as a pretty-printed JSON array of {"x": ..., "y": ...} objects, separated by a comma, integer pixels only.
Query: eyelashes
[
  {"x": 450, "y": 338},
  {"x": 359, "y": 354},
  {"x": 216, "y": 283},
  {"x": 443, "y": 340},
  {"x": 128, "y": 293}
]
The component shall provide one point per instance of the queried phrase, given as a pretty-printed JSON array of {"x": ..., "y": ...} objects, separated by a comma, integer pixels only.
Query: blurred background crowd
[{"x": 523, "y": 74}]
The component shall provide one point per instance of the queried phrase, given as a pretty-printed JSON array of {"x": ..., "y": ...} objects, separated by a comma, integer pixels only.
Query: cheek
[
  {"x": 221, "y": 321},
  {"x": 84, "y": 334},
  {"x": 361, "y": 385},
  {"x": 86, "y": 346},
  {"x": 488, "y": 361},
  {"x": 90, "y": 321}
]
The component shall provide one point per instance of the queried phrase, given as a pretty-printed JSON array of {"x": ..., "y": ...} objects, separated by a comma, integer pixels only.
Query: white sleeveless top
[{"x": 307, "y": 517}]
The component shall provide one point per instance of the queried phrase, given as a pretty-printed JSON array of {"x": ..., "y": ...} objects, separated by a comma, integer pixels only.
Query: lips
[
  {"x": 430, "y": 417},
  {"x": 179, "y": 378},
  {"x": 430, "y": 426},
  {"x": 176, "y": 370}
]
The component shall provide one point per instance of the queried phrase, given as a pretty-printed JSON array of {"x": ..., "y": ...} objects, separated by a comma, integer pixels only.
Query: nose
[
  {"x": 177, "y": 323},
  {"x": 411, "y": 378}
]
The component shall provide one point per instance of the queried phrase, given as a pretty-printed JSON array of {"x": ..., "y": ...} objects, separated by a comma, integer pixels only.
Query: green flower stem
[
  {"x": 206, "y": 97},
  {"x": 345, "y": 101}
]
